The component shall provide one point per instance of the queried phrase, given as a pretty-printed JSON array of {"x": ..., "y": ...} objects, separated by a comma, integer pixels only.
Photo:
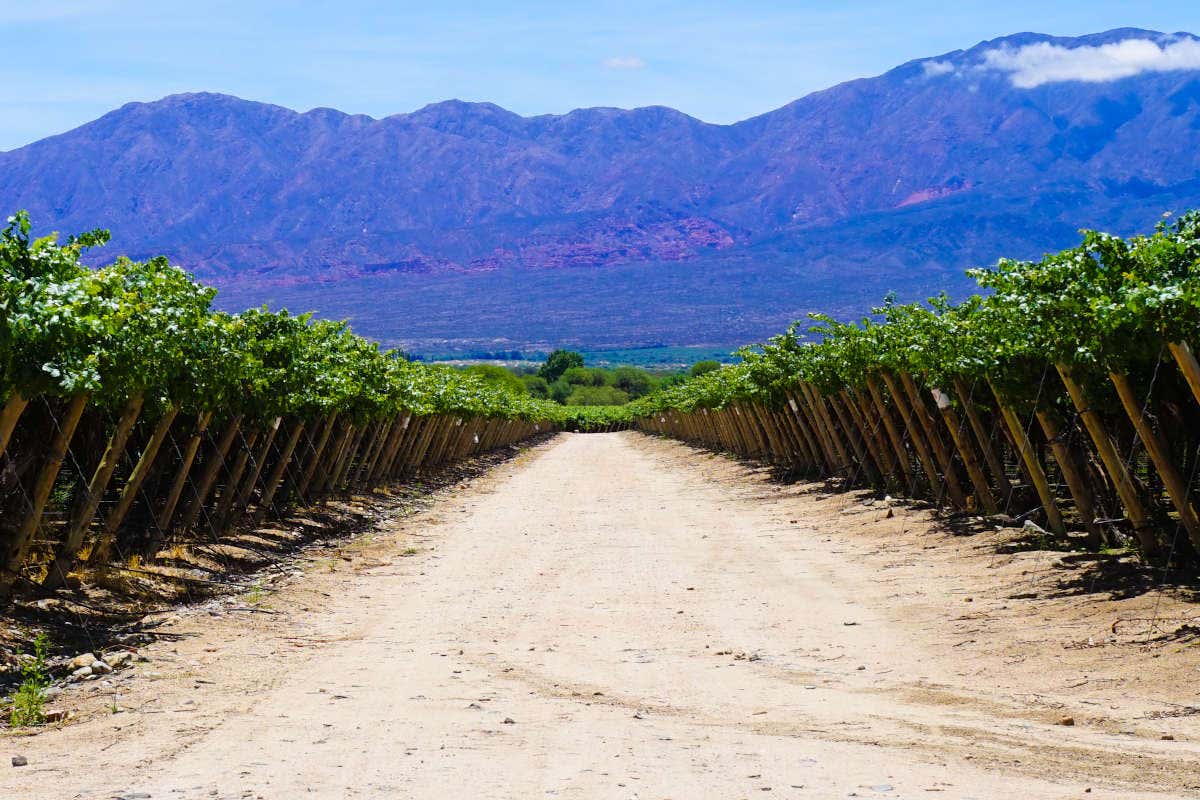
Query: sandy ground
[{"x": 613, "y": 616}]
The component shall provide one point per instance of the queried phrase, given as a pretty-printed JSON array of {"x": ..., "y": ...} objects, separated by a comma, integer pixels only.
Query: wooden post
[
  {"x": 9, "y": 415},
  {"x": 1085, "y": 501},
  {"x": 185, "y": 467},
  {"x": 1113, "y": 464},
  {"x": 774, "y": 448},
  {"x": 1187, "y": 365},
  {"x": 984, "y": 440},
  {"x": 133, "y": 484},
  {"x": 242, "y": 502},
  {"x": 1032, "y": 465},
  {"x": 15, "y": 550},
  {"x": 326, "y": 482},
  {"x": 81, "y": 520},
  {"x": 982, "y": 491},
  {"x": 414, "y": 430},
  {"x": 317, "y": 456},
  {"x": 929, "y": 428},
  {"x": 838, "y": 460},
  {"x": 856, "y": 439},
  {"x": 876, "y": 437},
  {"x": 337, "y": 479},
  {"x": 276, "y": 477},
  {"x": 893, "y": 433},
  {"x": 388, "y": 455},
  {"x": 816, "y": 461},
  {"x": 914, "y": 436},
  {"x": 233, "y": 482},
  {"x": 208, "y": 475},
  {"x": 382, "y": 437},
  {"x": 387, "y": 451},
  {"x": 1160, "y": 455}
]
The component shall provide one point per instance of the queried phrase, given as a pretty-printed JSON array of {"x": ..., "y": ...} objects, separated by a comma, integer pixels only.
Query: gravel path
[{"x": 612, "y": 616}]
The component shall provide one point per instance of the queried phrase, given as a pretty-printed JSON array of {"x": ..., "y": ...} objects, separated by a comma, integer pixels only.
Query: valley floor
[{"x": 614, "y": 616}]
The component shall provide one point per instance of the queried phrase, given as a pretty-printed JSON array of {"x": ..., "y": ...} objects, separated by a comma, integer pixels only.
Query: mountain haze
[{"x": 465, "y": 225}]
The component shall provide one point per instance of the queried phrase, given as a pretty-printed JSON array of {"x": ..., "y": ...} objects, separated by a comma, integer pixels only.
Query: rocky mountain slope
[{"x": 897, "y": 181}]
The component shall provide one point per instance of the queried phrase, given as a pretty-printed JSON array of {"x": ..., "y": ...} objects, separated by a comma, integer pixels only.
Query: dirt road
[{"x": 612, "y": 616}]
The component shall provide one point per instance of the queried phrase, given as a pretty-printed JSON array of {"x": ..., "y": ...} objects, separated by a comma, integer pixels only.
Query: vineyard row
[
  {"x": 135, "y": 417},
  {"x": 1069, "y": 395}
]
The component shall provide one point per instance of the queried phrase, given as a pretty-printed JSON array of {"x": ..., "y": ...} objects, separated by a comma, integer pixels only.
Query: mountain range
[{"x": 463, "y": 226}]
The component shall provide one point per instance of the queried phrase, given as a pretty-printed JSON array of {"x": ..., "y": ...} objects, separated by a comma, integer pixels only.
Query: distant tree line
[{"x": 565, "y": 379}]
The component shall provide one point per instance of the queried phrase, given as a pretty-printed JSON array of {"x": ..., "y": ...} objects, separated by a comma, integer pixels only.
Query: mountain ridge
[{"x": 264, "y": 201}]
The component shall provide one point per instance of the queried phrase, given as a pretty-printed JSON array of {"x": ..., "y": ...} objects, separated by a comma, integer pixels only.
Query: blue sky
[{"x": 65, "y": 62}]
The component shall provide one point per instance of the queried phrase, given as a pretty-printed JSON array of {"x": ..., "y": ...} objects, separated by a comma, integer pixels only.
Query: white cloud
[
  {"x": 624, "y": 62},
  {"x": 935, "y": 68},
  {"x": 1036, "y": 64}
]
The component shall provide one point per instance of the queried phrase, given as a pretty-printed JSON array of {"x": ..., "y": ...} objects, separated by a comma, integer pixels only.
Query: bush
[
  {"x": 701, "y": 367},
  {"x": 597, "y": 396},
  {"x": 497, "y": 375},
  {"x": 560, "y": 390},
  {"x": 633, "y": 381},
  {"x": 536, "y": 386},
  {"x": 582, "y": 376}
]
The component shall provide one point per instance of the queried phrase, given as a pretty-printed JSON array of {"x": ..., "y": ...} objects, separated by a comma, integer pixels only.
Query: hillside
[{"x": 464, "y": 224}]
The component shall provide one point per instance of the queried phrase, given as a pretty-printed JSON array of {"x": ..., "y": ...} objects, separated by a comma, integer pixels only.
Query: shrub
[{"x": 597, "y": 396}]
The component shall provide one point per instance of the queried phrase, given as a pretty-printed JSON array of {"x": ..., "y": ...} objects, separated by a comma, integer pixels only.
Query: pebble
[
  {"x": 19, "y": 761},
  {"x": 81, "y": 673},
  {"x": 52, "y": 715},
  {"x": 1068, "y": 721},
  {"x": 509, "y": 721},
  {"x": 101, "y": 668},
  {"x": 118, "y": 659},
  {"x": 82, "y": 660}
]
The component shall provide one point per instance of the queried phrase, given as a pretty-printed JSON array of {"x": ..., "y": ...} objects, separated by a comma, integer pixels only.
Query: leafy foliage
[
  {"x": 30, "y": 698},
  {"x": 559, "y": 362},
  {"x": 1107, "y": 304},
  {"x": 149, "y": 327}
]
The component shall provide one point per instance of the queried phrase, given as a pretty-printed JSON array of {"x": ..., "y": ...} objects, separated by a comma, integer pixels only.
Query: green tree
[
  {"x": 559, "y": 362},
  {"x": 701, "y": 367}
]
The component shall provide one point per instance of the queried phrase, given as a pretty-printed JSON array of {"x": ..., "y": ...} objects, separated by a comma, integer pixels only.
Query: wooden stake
[
  {"x": 81, "y": 520},
  {"x": 1160, "y": 455},
  {"x": 984, "y": 440},
  {"x": 15, "y": 550},
  {"x": 1187, "y": 365},
  {"x": 982, "y": 491},
  {"x": 133, "y": 484},
  {"x": 9, "y": 415},
  {"x": 208, "y": 475},
  {"x": 1032, "y": 466},
  {"x": 893, "y": 432},
  {"x": 185, "y": 467},
  {"x": 276, "y": 476},
  {"x": 1113, "y": 464},
  {"x": 1085, "y": 500},
  {"x": 914, "y": 436}
]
